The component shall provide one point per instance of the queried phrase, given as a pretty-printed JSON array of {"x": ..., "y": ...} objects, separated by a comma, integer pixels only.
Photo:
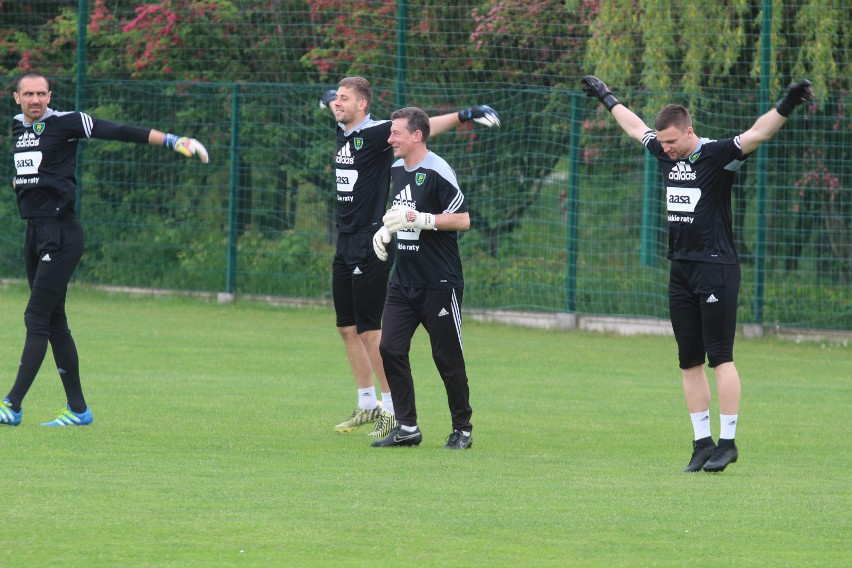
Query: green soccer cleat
[
  {"x": 386, "y": 423},
  {"x": 70, "y": 418},
  {"x": 9, "y": 417},
  {"x": 360, "y": 416}
]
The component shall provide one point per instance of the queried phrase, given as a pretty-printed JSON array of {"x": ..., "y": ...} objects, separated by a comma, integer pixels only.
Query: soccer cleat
[
  {"x": 398, "y": 437},
  {"x": 360, "y": 416},
  {"x": 386, "y": 423},
  {"x": 726, "y": 453},
  {"x": 70, "y": 418},
  {"x": 9, "y": 417},
  {"x": 458, "y": 441},
  {"x": 701, "y": 451}
]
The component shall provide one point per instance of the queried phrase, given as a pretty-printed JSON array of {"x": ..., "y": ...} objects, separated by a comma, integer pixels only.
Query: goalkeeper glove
[
  {"x": 594, "y": 87},
  {"x": 187, "y": 146},
  {"x": 482, "y": 114},
  {"x": 401, "y": 217},
  {"x": 796, "y": 94},
  {"x": 380, "y": 239},
  {"x": 327, "y": 98}
]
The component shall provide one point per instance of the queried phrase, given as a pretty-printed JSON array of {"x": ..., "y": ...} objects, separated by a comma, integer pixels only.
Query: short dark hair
[
  {"x": 673, "y": 115},
  {"x": 417, "y": 120},
  {"x": 31, "y": 75},
  {"x": 360, "y": 85}
]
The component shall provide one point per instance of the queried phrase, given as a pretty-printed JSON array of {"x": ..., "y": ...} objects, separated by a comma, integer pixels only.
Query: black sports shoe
[
  {"x": 458, "y": 441},
  {"x": 701, "y": 451},
  {"x": 399, "y": 437},
  {"x": 725, "y": 454}
]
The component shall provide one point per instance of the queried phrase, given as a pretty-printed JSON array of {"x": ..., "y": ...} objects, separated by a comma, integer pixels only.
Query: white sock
[
  {"x": 367, "y": 398},
  {"x": 408, "y": 428},
  {"x": 387, "y": 403},
  {"x": 701, "y": 424},
  {"x": 729, "y": 426}
]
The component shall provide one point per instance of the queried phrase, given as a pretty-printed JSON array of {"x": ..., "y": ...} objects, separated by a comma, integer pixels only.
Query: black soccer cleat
[
  {"x": 726, "y": 453},
  {"x": 399, "y": 437},
  {"x": 701, "y": 451},
  {"x": 458, "y": 441}
]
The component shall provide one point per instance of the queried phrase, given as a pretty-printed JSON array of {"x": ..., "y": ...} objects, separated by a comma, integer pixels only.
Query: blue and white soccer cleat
[
  {"x": 70, "y": 418},
  {"x": 9, "y": 417}
]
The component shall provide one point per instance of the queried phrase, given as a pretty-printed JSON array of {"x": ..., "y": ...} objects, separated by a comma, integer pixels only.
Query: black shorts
[
  {"x": 703, "y": 309},
  {"x": 359, "y": 282},
  {"x": 53, "y": 248}
]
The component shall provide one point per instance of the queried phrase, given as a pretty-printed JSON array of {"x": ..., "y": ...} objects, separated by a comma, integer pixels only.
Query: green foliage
[{"x": 199, "y": 68}]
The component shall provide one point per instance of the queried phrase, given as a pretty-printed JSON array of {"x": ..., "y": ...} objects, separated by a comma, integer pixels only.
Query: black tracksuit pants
[{"x": 439, "y": 311}]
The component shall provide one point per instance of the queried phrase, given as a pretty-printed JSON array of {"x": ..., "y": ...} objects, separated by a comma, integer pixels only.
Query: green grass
[{"x": 212, "y": 446}]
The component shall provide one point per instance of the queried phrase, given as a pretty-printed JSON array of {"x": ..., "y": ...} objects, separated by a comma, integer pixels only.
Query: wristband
[
  {"x": 169, "y": 140},
  {"x": 609, "y": 101}
]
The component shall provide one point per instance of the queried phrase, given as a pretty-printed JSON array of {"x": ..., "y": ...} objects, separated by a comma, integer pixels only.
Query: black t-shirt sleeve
[{"x": 108, "y": 130}]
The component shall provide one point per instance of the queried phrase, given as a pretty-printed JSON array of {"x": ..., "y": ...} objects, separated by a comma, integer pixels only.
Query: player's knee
[
  {"x": 389, "y": 351},
  {"x": 716, "y": 358},
  {"x": 37, "y": 323}
]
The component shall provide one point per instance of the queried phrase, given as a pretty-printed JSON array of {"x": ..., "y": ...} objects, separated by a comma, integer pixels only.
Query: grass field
[{"x": 213, "y": 446}]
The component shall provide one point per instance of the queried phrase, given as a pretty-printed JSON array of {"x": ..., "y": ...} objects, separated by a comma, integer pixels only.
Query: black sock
[
  {"x": 35, "y": 348},
  {"x": 68, "y": 365}
]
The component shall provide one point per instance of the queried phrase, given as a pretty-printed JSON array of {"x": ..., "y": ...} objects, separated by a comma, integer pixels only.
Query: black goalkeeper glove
[
  {"x": 482, "y": 114},
  {"x": 594, "y": 87},
  {"x": 327, "y": 97},
  {"x": 796, "y": 94}
]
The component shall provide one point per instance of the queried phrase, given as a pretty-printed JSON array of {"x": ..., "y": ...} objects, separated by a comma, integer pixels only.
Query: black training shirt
[
  {"x": 427, "y": 259},
  {"x": 45, "y": 155},
  {"x": 362, "y": 167},
  {"x": 698, "y": 199}
]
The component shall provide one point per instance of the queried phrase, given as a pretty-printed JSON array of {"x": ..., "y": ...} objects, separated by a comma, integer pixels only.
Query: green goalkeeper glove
[
  {"x": 401, "y": 217},
  {"x": 186, "y": 146},
  {"x": 796, "y": 94},
  {"x": 594, "y": 87}
]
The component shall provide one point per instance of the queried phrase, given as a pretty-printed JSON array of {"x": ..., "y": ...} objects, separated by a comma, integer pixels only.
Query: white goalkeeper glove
[
  {"x": 186, "y": 146},
  {"x": 483, "y": 114},
  {"x": 380, "y": 239},
  {"x": 402, "y": 217}
]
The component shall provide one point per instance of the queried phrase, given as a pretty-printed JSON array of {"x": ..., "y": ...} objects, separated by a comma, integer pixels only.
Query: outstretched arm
[
  {"x": 108, "y": 130},
  {"x": 628, "y": 120},
  {"x": 482, "y": 114},
  {"x": 768, "y": 124}
]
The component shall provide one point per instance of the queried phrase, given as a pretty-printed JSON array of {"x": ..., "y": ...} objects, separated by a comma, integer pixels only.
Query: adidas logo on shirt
[
  {"x": 357, "y": 271},
  {"x": 404, "y": 198},
  {"x": 712, "y": 299},
  {"x": 27, "y": 140},
  {"x": 344, "y": 156},
  {"x": 46, "y": 258},
  {"x": 682, "y": 171}
]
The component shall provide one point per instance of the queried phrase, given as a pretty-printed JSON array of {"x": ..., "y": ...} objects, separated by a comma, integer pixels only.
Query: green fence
[{"x": 567, "y": 211}]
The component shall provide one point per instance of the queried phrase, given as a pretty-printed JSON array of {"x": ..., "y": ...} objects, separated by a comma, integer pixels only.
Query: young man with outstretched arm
[
  {"x": 704, "y": 276},
  {"x": 45, "y": 154},
  {"x": 359, "y": 281}
]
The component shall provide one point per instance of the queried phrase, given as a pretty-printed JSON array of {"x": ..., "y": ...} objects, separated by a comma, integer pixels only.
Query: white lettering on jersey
[
  {"x": 346, "y": 180},
  {"x": 27, "y": 163},
  {"x": 682, "y": 198},
  {"x": 344, "y": 156},
  {"x": 682, "y": 172},
  {"x": 27, "y": 140},
  {"x": 404, "y": 198}
]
